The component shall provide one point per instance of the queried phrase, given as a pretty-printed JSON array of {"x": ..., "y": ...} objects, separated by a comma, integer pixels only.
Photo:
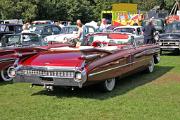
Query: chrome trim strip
[
  {"x": 92, "y": 74},
  {"x": 169, "y": 47},
  {"x": 7, "y": 59}
]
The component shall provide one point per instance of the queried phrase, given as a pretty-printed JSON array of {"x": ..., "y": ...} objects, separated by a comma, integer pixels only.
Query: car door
[
  {"x": 139, "y": 55},
  {"x": 110, "y": 66}
]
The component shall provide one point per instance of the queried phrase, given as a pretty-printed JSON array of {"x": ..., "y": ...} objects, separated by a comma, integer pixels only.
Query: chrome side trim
[
  {"x": 92, "y": 74},
  {"x": 7, "y": 59}
]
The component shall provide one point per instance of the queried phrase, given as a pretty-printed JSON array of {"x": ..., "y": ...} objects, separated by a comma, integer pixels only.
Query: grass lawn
[{"x": 141, "y": 96}]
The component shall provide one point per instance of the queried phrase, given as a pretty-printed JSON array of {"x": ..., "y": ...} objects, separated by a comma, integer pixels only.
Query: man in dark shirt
[{"x": 149, "y": 33}]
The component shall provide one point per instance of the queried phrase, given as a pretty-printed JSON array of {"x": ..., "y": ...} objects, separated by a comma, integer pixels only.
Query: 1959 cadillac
[{"x": 103, "y": 58}]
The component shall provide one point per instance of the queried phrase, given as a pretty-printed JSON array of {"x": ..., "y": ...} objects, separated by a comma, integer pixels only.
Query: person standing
[
  {"x": 149, "y": 33},
  {"x": 80, "y": 29},
  {"x": 103, "y": 25}
]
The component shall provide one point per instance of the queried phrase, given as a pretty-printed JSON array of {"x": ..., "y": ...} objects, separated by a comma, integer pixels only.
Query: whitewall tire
[
  {"x": 150, "y": 68},
  {"x": 5, "y": 76},
  {"x": 108, "y": 85}
]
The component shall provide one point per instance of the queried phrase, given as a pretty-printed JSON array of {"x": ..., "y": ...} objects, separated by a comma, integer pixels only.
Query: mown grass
[{"x": 141, "y": 96}]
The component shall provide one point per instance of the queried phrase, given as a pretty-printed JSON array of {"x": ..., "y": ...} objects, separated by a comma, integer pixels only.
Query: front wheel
[
  {"x": 4, "y": 75},
  {"x": 150, "y": 68},
  {"x": 108, "y": 85}
]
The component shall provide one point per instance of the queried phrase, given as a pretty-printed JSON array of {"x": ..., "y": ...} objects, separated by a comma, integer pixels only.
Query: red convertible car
[{"x": 101, "y": 58}]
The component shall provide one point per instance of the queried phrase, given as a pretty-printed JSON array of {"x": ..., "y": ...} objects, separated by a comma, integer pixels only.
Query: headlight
[
  {"x": 176, "y": 43},
  {"x": 156, "y": 37},
  {"x": 160, "y": 43},
  {"x": 78, "y": 76}
]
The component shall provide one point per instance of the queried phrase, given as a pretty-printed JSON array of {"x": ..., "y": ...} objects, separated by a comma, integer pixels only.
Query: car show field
[{"x": 139, "y": 96}]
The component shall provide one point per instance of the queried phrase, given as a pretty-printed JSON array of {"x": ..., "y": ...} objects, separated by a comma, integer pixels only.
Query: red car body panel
[{"x": 55, "y": 58}]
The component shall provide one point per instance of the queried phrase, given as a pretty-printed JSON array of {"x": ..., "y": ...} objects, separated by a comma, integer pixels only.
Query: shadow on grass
[
  {"x": 122, "y": 86},
  {"x": 5, "y": 83}
]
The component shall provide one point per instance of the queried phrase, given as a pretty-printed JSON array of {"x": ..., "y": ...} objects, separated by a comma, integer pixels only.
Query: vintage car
[
  {"x": 66, "y": 32},
  {"x": 45, "y": 29},
  {"x": 103, "y": 58},
  {"x": 136, "y": 31},
  {"x": 22, "y": 39},
  {"x": 69, "y": 32},
  {"x": 13, "y": 45},
  {"x": 10, "y": 29},
  {"x": 170, "y": 39}
]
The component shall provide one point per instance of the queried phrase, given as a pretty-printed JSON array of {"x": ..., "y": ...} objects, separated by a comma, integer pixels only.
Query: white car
[
  {"x": 136, "y": 31},
  {"x": 69, "y": 32},
  {"x": 66, "y": 32}
]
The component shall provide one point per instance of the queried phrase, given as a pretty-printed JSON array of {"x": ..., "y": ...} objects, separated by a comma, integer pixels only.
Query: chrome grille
[
  {"x": 175, "y": 40},
  {"x": 170, "y": 42},
  {"x": 43, "y": 73}
]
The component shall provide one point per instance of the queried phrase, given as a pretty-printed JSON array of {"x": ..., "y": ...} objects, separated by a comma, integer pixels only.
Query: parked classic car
[
  {"x": 10, "y": 29},
  {"x": 14, "y": 45},
  {"x": 170, "y": 39},
  {"x": 45, "y": 29},
  {"x": 104, "y": 57},
  {"x": 22, "y": 39},
  {"x": 69, "y": 32},
  {"x": 136, "y": 31}
]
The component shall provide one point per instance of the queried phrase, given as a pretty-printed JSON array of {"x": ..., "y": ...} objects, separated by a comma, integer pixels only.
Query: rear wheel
[
  {"x": 5, "y": 76},
  {"x": 108, "y": 85},
  {"x": 150, "y": 68}
]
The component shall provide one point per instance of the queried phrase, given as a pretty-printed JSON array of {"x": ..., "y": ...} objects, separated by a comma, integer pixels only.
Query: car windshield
[
  {"x": 37, "y": 30},
  {"x": 25, "y": 40},
  {"x": 111, "y": 38},
  {"x": 13, "y": 39},
  {"x": 69, "y": 30},
  {"x": 2, "y": 28},
  {"x": 125, "y": 30},
  {"x": 174, "y": 27}
]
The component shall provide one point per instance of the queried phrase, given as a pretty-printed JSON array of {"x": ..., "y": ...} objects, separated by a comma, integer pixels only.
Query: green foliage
[{"x": 86, "y": 10}]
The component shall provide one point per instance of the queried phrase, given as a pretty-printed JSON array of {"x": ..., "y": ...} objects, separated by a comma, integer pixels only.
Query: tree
[{"x": 15, "y": 9}]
